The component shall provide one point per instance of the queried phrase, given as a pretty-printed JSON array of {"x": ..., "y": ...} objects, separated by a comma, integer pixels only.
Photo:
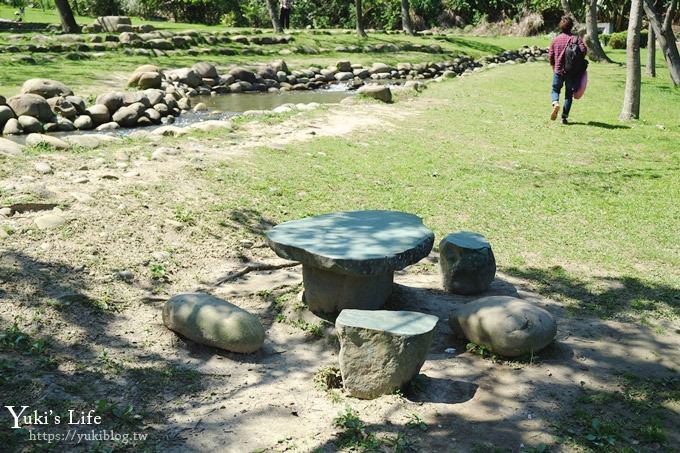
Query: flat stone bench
[
  {"x": 381, "y": 351},
  {"x": 349, "y": 258}
]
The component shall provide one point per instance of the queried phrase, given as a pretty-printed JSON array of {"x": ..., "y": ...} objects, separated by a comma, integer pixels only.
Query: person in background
[
  {"x": 286, "y": 7},
  {"x": 558, "y": 46}
]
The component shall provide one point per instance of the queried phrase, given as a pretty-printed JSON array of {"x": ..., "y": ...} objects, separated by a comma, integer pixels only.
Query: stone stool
[
  {"x": 467, "y": 263},
  {"x": 381, "y": 351}
]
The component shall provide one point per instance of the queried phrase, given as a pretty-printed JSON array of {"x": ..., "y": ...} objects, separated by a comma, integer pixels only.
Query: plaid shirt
[{"x": 557, "y": 48}]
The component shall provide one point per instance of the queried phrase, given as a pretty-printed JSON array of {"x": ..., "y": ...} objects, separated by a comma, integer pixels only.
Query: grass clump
[{"x": 328, "y": 378}]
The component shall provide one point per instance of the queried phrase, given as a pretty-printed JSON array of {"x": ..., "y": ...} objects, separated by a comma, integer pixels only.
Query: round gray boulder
[
  {"x": 380, "y": 92},
  {"x": 112, "y": 101},
  {"x": 46, "y": 88},
  {"x": 508, "y": 326},
  {"x": 29, "y": 124},
  {"x": 99, "y": 113},
  {"x": 467, "y": 263},
  {"x": 6, "y": 114},
  {"x": 205, "y": 70},
  {"x": 31, "y": 105},
  {"x": 12, "y": 127},
  {"x": 214, "y": 322}
]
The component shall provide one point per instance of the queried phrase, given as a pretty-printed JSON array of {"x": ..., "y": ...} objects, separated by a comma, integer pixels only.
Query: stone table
[{"x": 349, "y": 258}]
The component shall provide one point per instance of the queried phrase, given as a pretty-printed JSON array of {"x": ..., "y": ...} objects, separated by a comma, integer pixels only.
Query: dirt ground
[{"x": 107, "y": 341}]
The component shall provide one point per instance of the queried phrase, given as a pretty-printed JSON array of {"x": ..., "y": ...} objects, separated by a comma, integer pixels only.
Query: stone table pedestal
[{"x": 349, "y": 258}]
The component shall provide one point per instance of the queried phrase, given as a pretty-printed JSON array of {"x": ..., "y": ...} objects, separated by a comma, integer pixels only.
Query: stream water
[{"x": 229, "y": 105}]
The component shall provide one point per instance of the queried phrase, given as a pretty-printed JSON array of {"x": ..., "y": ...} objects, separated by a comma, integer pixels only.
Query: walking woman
[{"x": 558, "y": 49}]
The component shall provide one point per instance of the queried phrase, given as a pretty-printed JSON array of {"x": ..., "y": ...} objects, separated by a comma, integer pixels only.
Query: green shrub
[{"x": 618, "y": 40}]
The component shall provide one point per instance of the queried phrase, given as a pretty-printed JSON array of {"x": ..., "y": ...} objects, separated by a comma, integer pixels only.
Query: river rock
[
  {"x": 184, "y": 104},
  {"x": 49, "y": 221},
  {"x": 379, "y": 92},
  {"x": 29, "y": 124},
  {"x": 113, "y": 23},
  {"x": 99, "y": 113},
  {"x": 133, "y": 81},
  {"x": 380, "y": 68},
  {"x": 83, "y": 123},
  {"x": 43, "y": 168},
  {"x": 6, "y": 114},
  {"x": 214, "y": 322},
  {"x": 186, "y": 76},
  {"x": 200, "y": 107},
  {"x": 12, "y": 127},
  {"x": 37, "y": 139},
  {"x": 85, "y": 141},
  {"x": 508, "y": 326},
  {"x": 149, "y": 80},
  {"x": 343, "y": 76},
  {"x": 205, "y": 70},
  {"x": 65, "y": 125},
  {"x": 31, "y": 105},
  {"x": 110, "y": 126},
  {"x": 280, "y": 66},
  {"x": 467, "y": 263},
  {"x": 170, "y": 131},
  {"x": 344, "y": 66},
  {"x": 155, "y": 96},
  {"x": 10, "y": 148},
  {"x": 112, "y": 101},
  {"x": 381, "y": 351},
  {"x": 126, "y": 116},
  {"x": 63, "y": 107},
  {"x": 46, "y": 88},
  {"x": 243, "y": 75}
]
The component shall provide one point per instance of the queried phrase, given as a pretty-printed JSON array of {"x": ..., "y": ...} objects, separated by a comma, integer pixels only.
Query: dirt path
[{"x": 109, "y": 343}]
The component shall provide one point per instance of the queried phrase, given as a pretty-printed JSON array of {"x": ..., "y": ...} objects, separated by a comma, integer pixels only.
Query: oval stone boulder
[
  {"x": 46, "y": 88},
  {"x": 508, "y": 326},
  {"x": 214, "y": 322}
]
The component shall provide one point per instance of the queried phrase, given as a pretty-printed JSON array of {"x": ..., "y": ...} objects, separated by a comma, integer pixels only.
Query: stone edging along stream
[{"x": 159, "y": 96}]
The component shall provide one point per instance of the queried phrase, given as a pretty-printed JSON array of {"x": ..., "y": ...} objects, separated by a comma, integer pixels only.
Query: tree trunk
[
  {"x": 68, "y": 22},
  {"x": 651, "y": 52},
  {"x": 274, "y": 15},
  {"x": 406, "y": 17},
  {"x": 360, "y": 20},
  {"x": 595, "y": 50},
  {"x": 565, "y": 7},
  {"x": 631, "y": 99},
  {"x": 664, "y": 35}
]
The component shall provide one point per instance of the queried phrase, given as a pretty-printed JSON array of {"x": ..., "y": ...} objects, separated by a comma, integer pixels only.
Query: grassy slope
[{"x": 589, "y": 211}]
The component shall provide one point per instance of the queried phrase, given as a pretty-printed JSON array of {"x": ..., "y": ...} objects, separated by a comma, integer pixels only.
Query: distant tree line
[{"x": 377, "y": 14}]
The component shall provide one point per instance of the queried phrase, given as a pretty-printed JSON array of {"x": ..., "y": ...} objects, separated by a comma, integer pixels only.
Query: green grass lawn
[{"x": 588, "y": 212}]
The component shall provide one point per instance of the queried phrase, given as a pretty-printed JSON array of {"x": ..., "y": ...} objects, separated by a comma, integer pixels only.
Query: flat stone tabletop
[
  {"x": 402, "y": 323},
  {"x": 354, "y": 242}
]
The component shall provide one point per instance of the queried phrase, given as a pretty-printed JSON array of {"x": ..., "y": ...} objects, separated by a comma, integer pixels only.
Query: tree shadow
[
  {"x": 251, "y": 221},
  {"x": 606, "y": 296},
  {"x": 600, "y": 125}
]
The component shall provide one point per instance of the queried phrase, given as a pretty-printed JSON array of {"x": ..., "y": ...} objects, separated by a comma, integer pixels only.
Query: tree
[
  {"x": 360, "y": 19},
  {"x": 651, "y": 52},
  {"x": 631, "y": 99},
  {"x": 565, "y": 7},
  {"x": 406, "y": 17},
  {"x": 595, "y": 51},
  {"x": 663, "y": 32},
  {"x": 68, "y": 22},
  {"x": 271, "y": 7}
]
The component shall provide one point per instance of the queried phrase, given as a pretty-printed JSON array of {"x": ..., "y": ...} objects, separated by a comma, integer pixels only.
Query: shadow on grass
[
  {"x": 604, "y": 297},
  {"x": 476, "y": 45},
  {"x": 600, "y": 125},
  {"x": 251, "y": 220}
]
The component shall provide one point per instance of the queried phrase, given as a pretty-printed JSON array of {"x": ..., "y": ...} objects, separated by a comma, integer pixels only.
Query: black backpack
[{"x": 575, "y": 63}]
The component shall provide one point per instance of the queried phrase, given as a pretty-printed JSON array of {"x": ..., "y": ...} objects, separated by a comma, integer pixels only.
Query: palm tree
[{"x": 631, "y": 99}]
